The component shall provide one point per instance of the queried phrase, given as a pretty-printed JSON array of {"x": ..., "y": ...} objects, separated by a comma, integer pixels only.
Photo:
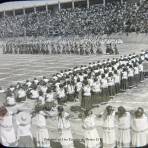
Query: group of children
[
  {"x": 88, "y": 84},
  {"x": 119, "y": 128}
]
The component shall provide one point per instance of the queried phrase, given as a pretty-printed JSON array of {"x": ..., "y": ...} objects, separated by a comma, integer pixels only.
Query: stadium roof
[{"x": 27, "y": 4}]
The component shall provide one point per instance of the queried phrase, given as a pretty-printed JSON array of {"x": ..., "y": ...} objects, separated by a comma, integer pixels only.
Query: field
[{"x": 15, "y": 68}]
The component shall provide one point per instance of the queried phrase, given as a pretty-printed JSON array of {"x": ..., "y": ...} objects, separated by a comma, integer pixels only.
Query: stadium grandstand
[{"x": 66, "y": 17}]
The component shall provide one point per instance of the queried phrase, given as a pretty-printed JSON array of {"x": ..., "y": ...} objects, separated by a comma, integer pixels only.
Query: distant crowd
[{"x": 97, "y": 19}]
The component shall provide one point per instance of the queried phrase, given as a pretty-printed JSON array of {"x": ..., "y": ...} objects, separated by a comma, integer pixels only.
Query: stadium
[{"x": 73, "y": 73}]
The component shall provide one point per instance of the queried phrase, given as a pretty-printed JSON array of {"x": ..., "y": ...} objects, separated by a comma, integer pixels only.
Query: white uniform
[
  {"x": 139, "y": 131},
  {"x": 92, "y": 139},
  {"x": 7, "y": 133},
  {"x": 123, "y": 133},
  {"x": 35, "y": 94},
  {"x": 64, "y": 126},
  {"x": 41, "y": 132},
  {"x": 109, "y": 131},
  {"x": 10, "y": 100}
]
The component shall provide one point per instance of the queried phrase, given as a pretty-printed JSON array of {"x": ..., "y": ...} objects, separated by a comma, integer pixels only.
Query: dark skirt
[
  {"x": 111, "y": 90},
  {"x": 141, "y": 76},
  {"x": 70, "y": 97},
  {"x": 25, "y": 142},
  {"x": 105, "y": 95},
  {"x": 61, "y": 101},
  {"x": 136, "y": 79},
  {"x": 96, "y": 97},
  {"x": 117, "y": 88},
  {"x": 124, "y": 84},
  {"x": 21, "y": 99},
  {"x": 78, "y": 95},
  {"x": 130, "y": 81},
  {"x": 86, "y": 102}
]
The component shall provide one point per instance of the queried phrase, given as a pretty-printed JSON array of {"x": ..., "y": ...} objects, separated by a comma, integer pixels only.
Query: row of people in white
[
  {"x": 122, "y": 129},
  {"x": 110, "y": 73}
]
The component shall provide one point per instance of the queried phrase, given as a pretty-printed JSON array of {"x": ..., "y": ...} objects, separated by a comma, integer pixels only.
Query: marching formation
[
  {"x": 89, "y": 85},
  {"x": 75, "y": 45},
  {"x": 78, "y": 46}
]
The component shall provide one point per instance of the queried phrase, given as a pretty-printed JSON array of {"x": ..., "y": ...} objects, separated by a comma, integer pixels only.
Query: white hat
[{"x": 24, "y": 118}]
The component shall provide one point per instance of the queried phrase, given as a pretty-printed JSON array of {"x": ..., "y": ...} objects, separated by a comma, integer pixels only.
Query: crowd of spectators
[{"x": 96, "y": 19}]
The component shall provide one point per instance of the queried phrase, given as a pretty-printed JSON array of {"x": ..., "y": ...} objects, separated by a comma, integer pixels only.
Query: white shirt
[
  {"x": 104, "y": 83},
  {"x": 117, "y": 78},
  {"x": 35, "y": 94},
  {"x": 49, "y": 97},
  {"x": 64, "y": 123},
  {"x": 96, "y": 87},
  {"x": 24, "y": 130},
  {"x": 136, "y": 70},
  {"x": 78, "y": 86},
  {"x": 61, "y": 93},
  {"x": 87, "y": 91},
  {"x": 21, "y": 93}
]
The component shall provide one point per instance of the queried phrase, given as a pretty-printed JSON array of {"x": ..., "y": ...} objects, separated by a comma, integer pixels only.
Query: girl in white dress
[
  {"x": 21, "y": 94},
  {"x": 49, "y": 97},
  {"x": 108, "y": 126},
  {"x": 41, "y": 98},
  {"x": 124, "y": 124},
  {"x": 86, "y": 102},
  {"x": 139, "y": 128},
  {"x": 61, "y": 95},
  {"x": 91, "y": 136},
  {"x": 78, "y": 87},
  {"x": 40, "y": 134},
  {"x": 24, "y": 132},
  {"x": 70, "y": 91},
  {"x": 64, "y": 128},
  {"x": 96, "y": 91},
  {"x": 34, "y": 93},
  {"x": 7, "y": 132},
  {"x": 10, "y": 99}
]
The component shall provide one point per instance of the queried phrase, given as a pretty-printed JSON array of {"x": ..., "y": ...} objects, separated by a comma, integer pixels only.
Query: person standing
[
  {"x": 70, "y": 91},
  {"x": 7, "y": 132},
  {"x": 108, "y": 125},
  {"x": 139, "y": 128},
  {"x": 111, "y": 85},
  {"x": 117, "y": 81},
  {"x": 24, "y": 134},
  {"x": 64, "y": 128},
  {"x": 124, "y": 79},
  {"x": 61, "y": 95},
  {"x": 130, "y": 76},
  {"x": 96, "y": 92},
  {"x": 104, "y": 86},
  {"x": 10, "y": 99},
  {"x": 141, "y": 74},
  {"x": 91, "y": 136},
  {"x": 21, "y": 94},
  {"x": 123, "y": 137},
  {"x": 78, "y": 89},
  {"x": 41, "y": 134},
  {"x": 86, "y": 102}
]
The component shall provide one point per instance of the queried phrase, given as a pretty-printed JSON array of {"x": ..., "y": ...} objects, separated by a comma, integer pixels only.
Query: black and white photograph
[{"x": 74, "y": 73}]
